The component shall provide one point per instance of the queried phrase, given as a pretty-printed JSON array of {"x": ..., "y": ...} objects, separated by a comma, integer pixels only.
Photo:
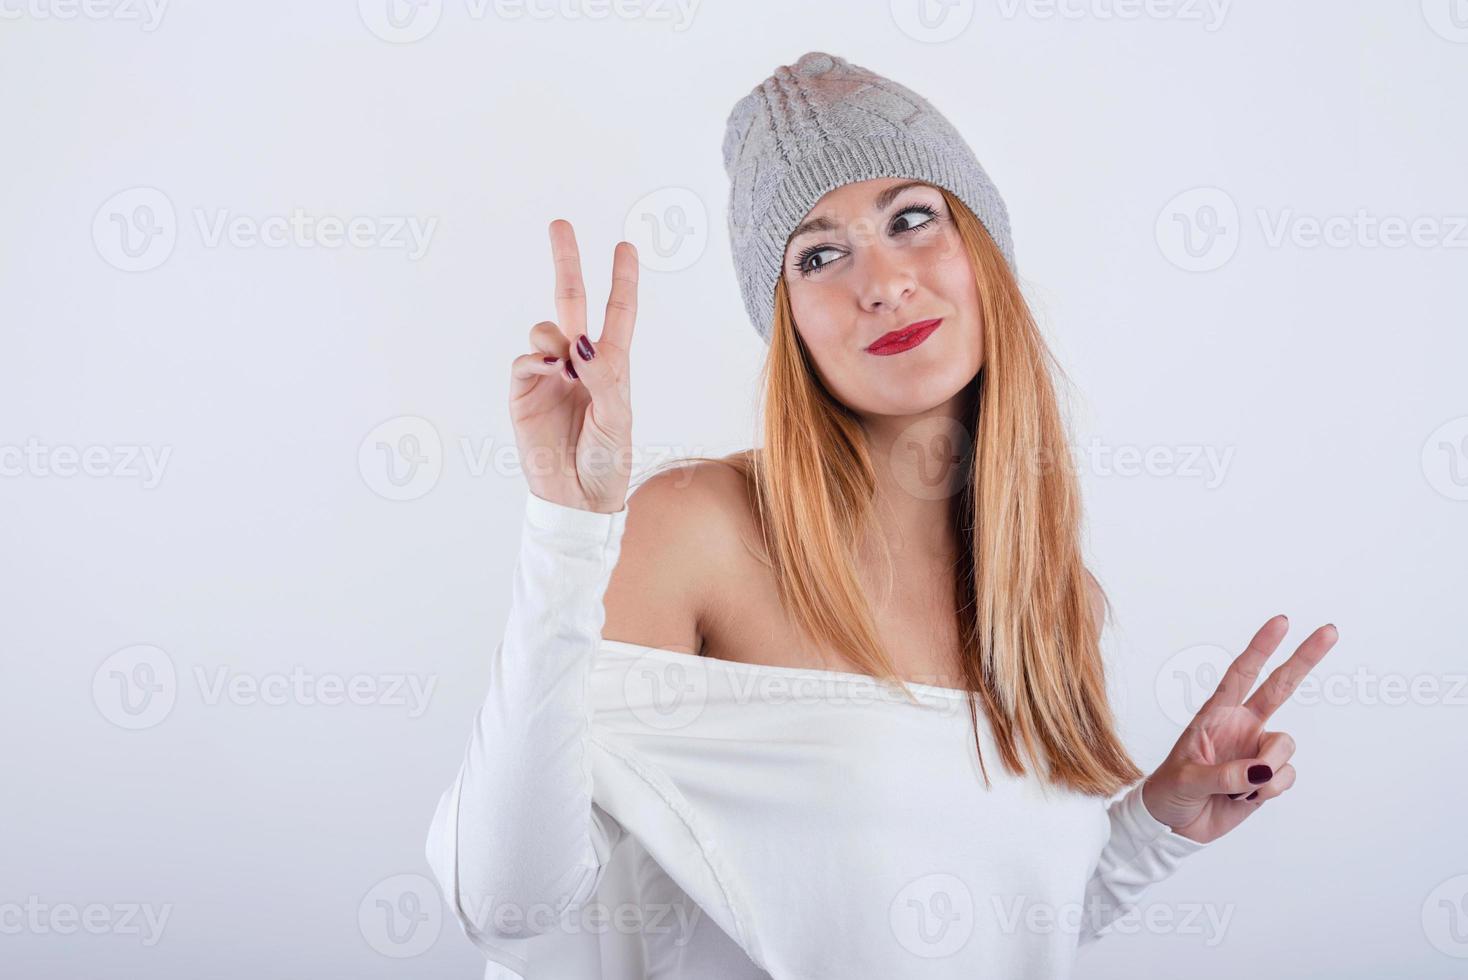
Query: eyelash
[{"x": 810, "y": 250}]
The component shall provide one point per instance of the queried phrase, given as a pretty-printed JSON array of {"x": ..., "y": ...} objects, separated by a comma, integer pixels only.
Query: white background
[{"x": 1326, "y": 380}]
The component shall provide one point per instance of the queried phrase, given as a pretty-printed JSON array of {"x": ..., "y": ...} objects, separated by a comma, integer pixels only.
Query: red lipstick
[{"x": 907, "y": 338}]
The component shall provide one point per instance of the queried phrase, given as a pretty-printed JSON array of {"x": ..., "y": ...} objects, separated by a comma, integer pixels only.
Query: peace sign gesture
[
  {"x": 1226, "y": 765},
  {"x": 572, "y": 412}
]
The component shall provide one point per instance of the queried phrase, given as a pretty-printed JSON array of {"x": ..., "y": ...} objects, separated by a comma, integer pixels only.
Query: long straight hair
[{"x": 1030, "y": 645}]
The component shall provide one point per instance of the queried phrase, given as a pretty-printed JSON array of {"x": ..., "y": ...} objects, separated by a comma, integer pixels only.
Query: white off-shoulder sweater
[{"x": 631, "y": 812}]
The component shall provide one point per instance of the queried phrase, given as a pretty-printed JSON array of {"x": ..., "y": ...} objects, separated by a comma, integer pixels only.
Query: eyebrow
[{"x": 823, "y": 223}]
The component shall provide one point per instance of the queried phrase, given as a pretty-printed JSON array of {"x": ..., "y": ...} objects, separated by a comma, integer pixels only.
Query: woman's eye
[
  {"x": 923, "y": 212},
  {"x": 809, "y": 263}
]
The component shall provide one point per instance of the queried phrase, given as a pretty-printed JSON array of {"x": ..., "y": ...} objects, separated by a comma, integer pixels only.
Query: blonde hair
[{"x": 1030, "y": 647}]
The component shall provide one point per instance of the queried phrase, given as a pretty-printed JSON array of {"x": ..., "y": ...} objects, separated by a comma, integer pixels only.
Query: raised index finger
[
  {"x": 622, "y": 302},
  {"x": 1241, "y": 674},
  {"x": 1287, "y": 676},
  {"x": 570, "y": 290}
]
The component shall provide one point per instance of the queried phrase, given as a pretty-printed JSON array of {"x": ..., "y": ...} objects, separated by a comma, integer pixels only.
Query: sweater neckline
[{"x": 840, "y": 678}]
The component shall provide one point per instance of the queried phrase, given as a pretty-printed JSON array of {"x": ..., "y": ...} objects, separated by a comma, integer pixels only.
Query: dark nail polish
[
  {"x": 1260, "y": 774},
  {"x": 583, "y": 347},
  {"x": 550, "y": 360},
  {"x": 570, "y": 369},
  {"x": 1252, "y": 795}
]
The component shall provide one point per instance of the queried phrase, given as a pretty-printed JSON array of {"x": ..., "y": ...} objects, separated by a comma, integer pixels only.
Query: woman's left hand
[{"x": 1203, "y": 788}]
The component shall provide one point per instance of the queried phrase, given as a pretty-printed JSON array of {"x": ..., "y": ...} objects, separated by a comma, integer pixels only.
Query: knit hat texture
[{"x": 816, "y": 125}]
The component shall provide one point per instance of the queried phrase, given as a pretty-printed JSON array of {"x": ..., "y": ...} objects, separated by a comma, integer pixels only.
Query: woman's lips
[{"x": 905, "y": 339}]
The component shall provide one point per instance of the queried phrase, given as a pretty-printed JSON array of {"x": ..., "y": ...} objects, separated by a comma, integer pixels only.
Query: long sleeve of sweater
[
  {"x": 1140, "y": 852},
  {"x": 516, "y": 840}
]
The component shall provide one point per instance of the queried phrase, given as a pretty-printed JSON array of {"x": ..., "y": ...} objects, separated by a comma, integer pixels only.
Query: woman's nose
[{"x": 887, "y": 279}]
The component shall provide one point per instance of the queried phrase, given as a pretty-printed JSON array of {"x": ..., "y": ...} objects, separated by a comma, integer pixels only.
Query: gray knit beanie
[{"x": 816, "y": 125}]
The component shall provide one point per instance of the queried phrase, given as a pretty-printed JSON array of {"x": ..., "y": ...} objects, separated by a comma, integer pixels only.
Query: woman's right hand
[{"x": 575, "y": 433}]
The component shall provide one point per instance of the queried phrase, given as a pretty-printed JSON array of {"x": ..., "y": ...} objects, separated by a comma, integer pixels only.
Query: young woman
[{"x": 753, "y": 712}]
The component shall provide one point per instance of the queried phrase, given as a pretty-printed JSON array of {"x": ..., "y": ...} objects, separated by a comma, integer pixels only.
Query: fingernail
[
  {"x": 570, "y": 368},
  {"x": 1252, "y": 795},
  {"x": 1260, "y": 774},
  {"x": 583, "y": 347},
  {"x": 550, "y": 360}
]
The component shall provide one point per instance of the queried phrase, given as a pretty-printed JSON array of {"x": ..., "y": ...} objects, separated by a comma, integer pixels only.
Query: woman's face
[{"x": 878, "y": 256}]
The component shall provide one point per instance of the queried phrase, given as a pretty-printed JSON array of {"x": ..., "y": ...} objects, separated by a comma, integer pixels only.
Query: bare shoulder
[{"x": 685, "y": 526}]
